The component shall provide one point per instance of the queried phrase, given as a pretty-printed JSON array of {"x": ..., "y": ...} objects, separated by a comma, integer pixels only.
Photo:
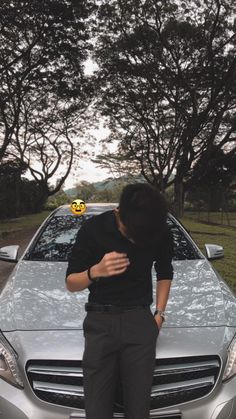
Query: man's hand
[
  {"x": 159, "y": 320},
  {"x": 112, "y": 263}
]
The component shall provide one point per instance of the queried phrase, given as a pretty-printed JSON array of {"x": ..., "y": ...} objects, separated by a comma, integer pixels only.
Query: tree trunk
[
  {"x": 178, "y": 198},
  {"x": 17, "y": 181},
  {"x": 40, "y": 197}
]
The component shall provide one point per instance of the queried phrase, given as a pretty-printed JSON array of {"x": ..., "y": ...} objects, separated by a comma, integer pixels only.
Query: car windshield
[{"x": 55, "y": 241}]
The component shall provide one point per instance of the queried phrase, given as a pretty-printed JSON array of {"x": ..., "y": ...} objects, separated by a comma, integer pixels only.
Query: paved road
[{"x": 21, "y": 238}]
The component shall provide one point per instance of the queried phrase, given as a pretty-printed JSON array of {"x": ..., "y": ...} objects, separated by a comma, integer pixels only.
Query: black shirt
[{"x": 100, "y": 235}]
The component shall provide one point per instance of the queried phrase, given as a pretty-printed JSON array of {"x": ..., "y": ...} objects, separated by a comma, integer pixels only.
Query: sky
[{"x": 87, "y": 170}]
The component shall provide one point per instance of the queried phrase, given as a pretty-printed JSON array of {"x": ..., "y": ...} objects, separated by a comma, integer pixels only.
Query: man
[{"x": 113, "y": 256}]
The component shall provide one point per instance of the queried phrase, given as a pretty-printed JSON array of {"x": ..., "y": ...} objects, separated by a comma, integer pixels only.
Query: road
[{"x": 21, "y": 238}]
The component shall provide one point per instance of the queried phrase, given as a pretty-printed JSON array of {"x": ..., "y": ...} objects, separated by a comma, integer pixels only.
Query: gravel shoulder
[{"x": 22, "y": 238}]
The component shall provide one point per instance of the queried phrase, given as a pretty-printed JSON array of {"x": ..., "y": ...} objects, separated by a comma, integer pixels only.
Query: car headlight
[
  {"x": 230, "y": 368},
  {"x": 8, "y": 365}
]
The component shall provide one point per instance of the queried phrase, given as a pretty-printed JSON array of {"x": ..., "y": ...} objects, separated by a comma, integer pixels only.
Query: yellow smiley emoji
[{"x": 78, "y": 207}]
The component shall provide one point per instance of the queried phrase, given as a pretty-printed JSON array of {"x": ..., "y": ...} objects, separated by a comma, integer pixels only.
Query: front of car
[{"x": 42, "y": 342}]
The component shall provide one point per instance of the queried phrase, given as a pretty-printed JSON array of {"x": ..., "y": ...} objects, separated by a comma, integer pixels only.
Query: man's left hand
[{"x": 159, "y": 320}]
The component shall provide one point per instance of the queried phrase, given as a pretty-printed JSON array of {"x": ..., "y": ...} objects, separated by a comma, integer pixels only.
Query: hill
[{"x": 108, "y": 184}]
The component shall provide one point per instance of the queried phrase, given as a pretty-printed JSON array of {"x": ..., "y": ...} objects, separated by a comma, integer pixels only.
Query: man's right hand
[{"x": 113, "y": 263}]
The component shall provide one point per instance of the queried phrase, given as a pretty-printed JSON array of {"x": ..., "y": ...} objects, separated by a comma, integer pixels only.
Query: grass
[
  {"x": 201, "y": 232},
  {"x": 224, "y": 236},
  {"x": 10, "y": 226},
  {"x": 220, "y": 218}
]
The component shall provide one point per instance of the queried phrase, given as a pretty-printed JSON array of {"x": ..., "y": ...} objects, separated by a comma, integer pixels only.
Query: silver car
[{"x": 42, "y": 342}]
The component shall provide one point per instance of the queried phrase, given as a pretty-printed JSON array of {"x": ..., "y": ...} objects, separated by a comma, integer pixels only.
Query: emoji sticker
[{"x": 78, "y": 207}]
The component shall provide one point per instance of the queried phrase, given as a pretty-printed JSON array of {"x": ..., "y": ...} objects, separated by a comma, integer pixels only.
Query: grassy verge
[
  {"x": 221, "y": 218},
  {"x": 10, "y": 226},
  {"x": 224, "y": 236}
]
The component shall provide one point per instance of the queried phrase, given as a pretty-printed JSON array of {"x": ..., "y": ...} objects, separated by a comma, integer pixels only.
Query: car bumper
[{"x": 17, "y": 404}]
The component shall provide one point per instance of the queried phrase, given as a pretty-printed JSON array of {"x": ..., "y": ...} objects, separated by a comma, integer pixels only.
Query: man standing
[{"x": 113, "y": 256}]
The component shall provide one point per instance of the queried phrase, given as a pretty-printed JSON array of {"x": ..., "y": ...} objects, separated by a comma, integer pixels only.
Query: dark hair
[{"x": 143, "y": 211}]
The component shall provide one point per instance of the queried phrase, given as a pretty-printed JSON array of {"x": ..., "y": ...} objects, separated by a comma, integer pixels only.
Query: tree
[
  {"x": 43, "y": 90},
  {"x": 212, "y": 178},
  {"x": 18, "y": 195},
  {"x": 85, "y": 191},
  {"x": 48, "y": 137},
  {"x": 167, "y": 82},
  {"x": 58, "y": 199}
]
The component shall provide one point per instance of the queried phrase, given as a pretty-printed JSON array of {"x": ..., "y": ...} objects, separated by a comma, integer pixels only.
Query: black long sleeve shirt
[{"x": 100, "y": 235}]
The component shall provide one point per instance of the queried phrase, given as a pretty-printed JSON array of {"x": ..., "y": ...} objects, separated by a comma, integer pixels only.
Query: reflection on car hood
[{"x": 35, "y": 298}]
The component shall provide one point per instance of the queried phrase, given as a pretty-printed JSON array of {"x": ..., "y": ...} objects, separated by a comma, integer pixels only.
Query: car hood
[
  {"x": 35, "y": 298},
  {"x": 171, "y": 343}
]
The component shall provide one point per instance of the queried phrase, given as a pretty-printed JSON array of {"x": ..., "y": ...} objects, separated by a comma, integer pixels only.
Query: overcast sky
[{"x": 88, "y": 171}]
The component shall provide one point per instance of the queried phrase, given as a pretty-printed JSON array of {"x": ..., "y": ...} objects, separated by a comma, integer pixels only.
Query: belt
[{"x": 110, "y": 308}]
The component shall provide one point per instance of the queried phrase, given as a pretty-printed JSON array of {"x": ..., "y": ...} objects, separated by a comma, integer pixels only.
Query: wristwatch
[
  {"x": 160, "y": 312},
  {"x": 89, "y": 276}
]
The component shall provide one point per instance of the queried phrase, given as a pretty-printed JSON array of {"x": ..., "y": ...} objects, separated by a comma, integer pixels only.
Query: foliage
[
  {"x": 108, "y": 195},
  {"x": 43, "y": 90},
  {"x": 85, "y": 191},
  {"x": 17, "y": 194},
  {"x": 167, "y": 83},
  {"x": 56, "y": 200},
  {"x": 211, "y": 183},
  {"x": 109, "y": 191}
]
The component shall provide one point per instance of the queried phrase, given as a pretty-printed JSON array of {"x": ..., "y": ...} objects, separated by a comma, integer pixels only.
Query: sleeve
[
  {"x": 81, "y": 256},
  {"x": 163, "y": 261}
]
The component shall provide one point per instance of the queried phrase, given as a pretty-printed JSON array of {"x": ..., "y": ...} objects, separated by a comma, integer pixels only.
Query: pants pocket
[
  {"x": 96, "y": 323},
  {"x": 153, "y": 320}
]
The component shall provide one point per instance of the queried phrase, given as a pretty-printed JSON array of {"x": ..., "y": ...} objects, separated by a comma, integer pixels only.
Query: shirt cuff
[{"x": 165, "y": 275}]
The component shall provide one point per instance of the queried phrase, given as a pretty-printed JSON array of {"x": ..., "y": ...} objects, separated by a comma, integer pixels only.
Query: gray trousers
[{"x": 119, "y": 344}]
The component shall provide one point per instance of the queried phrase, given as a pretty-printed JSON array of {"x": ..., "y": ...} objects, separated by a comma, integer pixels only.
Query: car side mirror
[
  {"x": 213, "y": 251},
  {"x": 9, "y": 253}
]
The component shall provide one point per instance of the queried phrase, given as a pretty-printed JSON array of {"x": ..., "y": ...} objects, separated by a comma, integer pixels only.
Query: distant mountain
[
  {"x": 70, "y": 192},
  {"x": 108, "y": 183}
]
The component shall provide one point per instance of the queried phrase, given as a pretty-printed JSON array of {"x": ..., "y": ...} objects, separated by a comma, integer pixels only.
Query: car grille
[{"x": 175, "y": 380}]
